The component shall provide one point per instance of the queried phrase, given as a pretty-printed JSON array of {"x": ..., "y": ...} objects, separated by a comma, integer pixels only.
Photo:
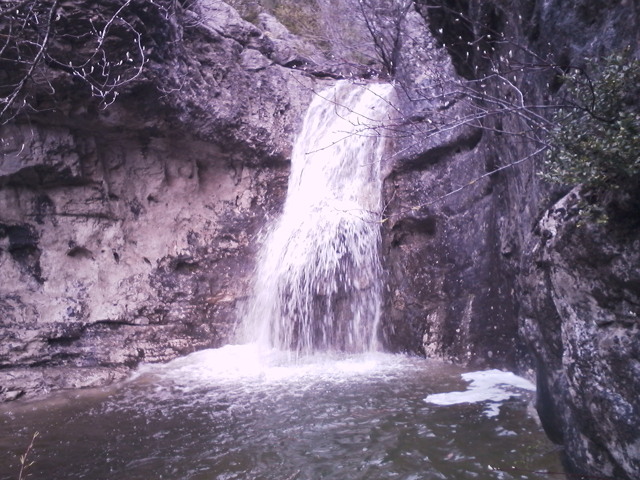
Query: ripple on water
[{"x": 240, "y": 413}]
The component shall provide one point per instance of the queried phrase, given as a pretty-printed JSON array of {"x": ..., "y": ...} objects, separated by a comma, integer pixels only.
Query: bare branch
[
  {"x": 13, "y": 8},
  {"x": 10, "y": 99}
]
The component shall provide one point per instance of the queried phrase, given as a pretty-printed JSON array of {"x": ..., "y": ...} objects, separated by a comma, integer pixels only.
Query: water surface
[{"x": 237, "y": 413}]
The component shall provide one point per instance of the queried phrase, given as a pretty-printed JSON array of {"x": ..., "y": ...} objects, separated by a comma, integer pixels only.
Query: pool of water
[{"x": 238, "y": 413}]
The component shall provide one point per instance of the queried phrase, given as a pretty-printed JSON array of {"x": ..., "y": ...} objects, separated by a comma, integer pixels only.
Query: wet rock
[
  {"x": 451, "y": 295},
  {"x": 587, "y": 276},
  {"x": 480, "y": 268}
]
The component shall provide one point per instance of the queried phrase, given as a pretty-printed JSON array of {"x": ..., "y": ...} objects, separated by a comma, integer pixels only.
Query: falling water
[
  {"x": 242, "y": 412},
  {"x": 317, "y": 283}
]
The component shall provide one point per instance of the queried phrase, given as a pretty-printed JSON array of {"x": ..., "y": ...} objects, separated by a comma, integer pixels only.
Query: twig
[{"x": 24, "y": 465}]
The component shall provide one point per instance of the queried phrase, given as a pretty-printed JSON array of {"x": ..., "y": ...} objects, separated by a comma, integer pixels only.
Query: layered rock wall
[
  {"x": 128, "y": 234},
  {"x": 457, "y": 220},
  {"x": 484, "y": 265}
]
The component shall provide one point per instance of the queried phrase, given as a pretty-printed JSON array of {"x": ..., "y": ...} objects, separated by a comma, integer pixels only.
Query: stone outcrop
[
  {"x": 456, "y": 227},
  {"x": 120, "y": 251},
  {"x": 484, "y": 266},
  {"x": 581, "y": 318},
  {"x": 128, "y": 234}
]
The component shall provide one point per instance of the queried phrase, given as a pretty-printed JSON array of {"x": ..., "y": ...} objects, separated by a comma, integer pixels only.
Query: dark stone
[
  {"x": 23, "y": 248},
  {"x": 513, "y": 275}
]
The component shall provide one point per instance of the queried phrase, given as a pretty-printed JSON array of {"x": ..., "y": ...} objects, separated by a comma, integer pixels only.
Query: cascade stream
[
  {"x": 317, "y": 285},
  {"x": 340, "y": 409}
]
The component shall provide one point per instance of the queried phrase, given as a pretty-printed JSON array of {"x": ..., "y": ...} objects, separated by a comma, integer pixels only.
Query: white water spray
[{"x": 317, "y": 285}]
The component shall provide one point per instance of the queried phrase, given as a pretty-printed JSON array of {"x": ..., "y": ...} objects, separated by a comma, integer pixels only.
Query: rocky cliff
[
  {"x": 129, "y": 233},
  {"x": 487, "y": 263}
]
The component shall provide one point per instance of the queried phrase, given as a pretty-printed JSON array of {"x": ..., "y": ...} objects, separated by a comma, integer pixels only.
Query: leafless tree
[
  {"x": 383, "y": 20},
  {"x": 102, "y": 46}
]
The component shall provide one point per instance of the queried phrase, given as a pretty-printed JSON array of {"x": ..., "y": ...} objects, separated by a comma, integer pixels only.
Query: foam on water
[
  {"x": 241, "y": 412},
  {"x": 317, "y": 284},
  {"x": 252, "y": 364},
  {"x": 492, "y": 386},
  {"x": 249, "y": 366}
]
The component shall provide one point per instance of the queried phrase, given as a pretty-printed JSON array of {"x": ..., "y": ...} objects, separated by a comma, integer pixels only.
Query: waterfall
[{"x": 318, "y": 279}]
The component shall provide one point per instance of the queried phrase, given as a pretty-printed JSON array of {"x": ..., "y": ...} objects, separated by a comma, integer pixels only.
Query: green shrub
[{"x": 595, "y": 140}]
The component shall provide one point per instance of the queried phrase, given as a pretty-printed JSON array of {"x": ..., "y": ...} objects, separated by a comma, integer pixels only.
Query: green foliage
[{"x": 595, "y": 140}]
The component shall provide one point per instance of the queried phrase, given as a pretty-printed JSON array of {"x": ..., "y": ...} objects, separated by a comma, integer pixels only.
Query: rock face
[
  {"x": 128, "y": 234},
  {"x": 456, "y": 227},
  {"x": 582, "y": 321},
  {"x": 483, "y": 265},
  {"x": 124, "y": 251}
]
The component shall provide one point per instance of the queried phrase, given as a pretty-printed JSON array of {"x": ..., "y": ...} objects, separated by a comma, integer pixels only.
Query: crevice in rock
[
  {"x": 413, "y": 230},
  {"x": 440, "y": 152},
  {"x": 78, "y": 251},
  {"x": 63, "y": 341},
  {"x": 23, "y": 248},
  {"x": 184, "y": 265}
]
